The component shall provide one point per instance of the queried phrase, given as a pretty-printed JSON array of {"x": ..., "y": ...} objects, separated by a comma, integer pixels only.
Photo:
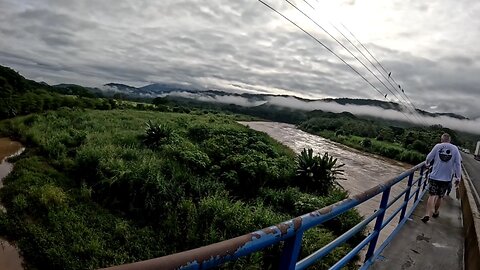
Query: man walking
[{"x": 446, "y": 162}]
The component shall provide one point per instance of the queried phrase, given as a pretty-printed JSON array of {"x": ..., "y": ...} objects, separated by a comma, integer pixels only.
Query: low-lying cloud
[
  {"x": 237, "y": 100},
  {"x": 468, "y": 125}
]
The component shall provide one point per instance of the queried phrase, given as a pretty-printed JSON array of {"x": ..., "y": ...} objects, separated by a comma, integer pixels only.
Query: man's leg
[
  {"x": 438, "y": 202},
  {"x": 431, "y": 201},
  {"x": 431, "y": 205}
]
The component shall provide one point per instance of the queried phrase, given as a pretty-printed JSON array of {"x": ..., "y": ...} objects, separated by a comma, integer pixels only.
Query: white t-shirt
[{"x": 446, "y": 162}]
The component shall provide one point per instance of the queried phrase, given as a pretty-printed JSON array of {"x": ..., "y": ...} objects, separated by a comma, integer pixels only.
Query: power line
[
  {"x": 414, "y": 112},
  {"x": 409, "y": 102},
  {"x": 386, "y": 72},
  {"x": 318, "y": 41},
  {"x": 308, "y": 4},
  {"x": 406, "y": 105},
  {"x": 327, "y": 48},
  {"x": 328, "y": 33}
]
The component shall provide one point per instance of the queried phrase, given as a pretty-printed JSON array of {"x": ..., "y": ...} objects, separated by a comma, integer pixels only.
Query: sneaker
[
  {"x": 435, "y": 215},
  {"x": 425, "y": 219}
]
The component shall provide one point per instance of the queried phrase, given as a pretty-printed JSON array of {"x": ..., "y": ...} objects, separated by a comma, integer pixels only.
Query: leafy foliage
[
  {"x": 95, "y": 192},
  {"x": 156, "y": 134},
  {"x": 317, "y": 173}
]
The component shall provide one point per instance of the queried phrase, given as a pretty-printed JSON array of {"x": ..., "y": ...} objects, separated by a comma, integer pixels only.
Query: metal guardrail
[{"x": 291, "y": 232}]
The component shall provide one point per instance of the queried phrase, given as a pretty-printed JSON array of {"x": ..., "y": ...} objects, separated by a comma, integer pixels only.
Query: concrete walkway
[{"x": 436, "y": 245}]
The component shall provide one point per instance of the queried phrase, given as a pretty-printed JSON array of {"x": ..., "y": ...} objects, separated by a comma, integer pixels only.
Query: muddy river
[
  {"x": 362, "y": 170},
  {"x": 9, "y": 256}
]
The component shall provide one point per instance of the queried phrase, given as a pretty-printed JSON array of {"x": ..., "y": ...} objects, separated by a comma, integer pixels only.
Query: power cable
[
  {"x": 406, "y": 105},
  {"x": 336, "y": 40}
]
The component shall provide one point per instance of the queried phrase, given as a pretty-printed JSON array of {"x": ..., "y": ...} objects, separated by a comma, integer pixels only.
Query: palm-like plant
[
  {"x": 156, "y": 134},
  {"x": 317, "y": 173},
  {"x": 306, "y": 163}
]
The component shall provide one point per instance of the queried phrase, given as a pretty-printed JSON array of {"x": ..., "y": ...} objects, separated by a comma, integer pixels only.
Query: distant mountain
[
  {"x": 166, "y": 88},
  {"x": 452, "y": 115},
  {"x": 365, "y": 102},
  {"x": 11, "y": 81},
  {"x": 151, "y": 90},
  {"x": 174, "y": 91},
  {"x": 121, "y": 87}
]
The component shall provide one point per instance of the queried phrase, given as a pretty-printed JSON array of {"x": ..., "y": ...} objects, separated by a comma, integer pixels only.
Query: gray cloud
[{"x": 428, "y": 47}]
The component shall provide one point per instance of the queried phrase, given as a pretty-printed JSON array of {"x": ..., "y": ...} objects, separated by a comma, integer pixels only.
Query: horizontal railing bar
[
  {"x": 369, "y": 262},
  {"x": 307, "y": 261},
  {"x": 353, "y": 252},
  {"x": 394, "y": 214},
  {"x": 317, "y": 217}
]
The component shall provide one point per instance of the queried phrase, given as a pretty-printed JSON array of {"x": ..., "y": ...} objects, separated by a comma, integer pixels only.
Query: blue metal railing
[{"x": 291, "y": 232}]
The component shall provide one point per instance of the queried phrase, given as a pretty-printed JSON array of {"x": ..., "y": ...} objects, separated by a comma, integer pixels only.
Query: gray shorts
[{"x": 438, "y": 188}]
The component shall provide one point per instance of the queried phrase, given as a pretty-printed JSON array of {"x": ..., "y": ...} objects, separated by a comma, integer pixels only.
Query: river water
[
  {"x": 10, "y": 258},
  {"x": 362, "y": 170}
]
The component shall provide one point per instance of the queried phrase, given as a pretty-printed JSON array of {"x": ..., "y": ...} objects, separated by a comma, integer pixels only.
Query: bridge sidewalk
[{"x": 435, "y": 245}]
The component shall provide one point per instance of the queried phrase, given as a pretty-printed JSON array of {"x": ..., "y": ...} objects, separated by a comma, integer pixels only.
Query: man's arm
[{"x": 431, "y": 155}]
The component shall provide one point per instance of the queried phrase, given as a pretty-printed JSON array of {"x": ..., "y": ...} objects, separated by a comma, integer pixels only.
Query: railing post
[
  {"x": 290, "y": 252},
  {"x": 407, "y": 195},
  {"x": 426, "y": 179},
  {"x": 419, "y": 184},
  {"x": 378, "y": 223}
]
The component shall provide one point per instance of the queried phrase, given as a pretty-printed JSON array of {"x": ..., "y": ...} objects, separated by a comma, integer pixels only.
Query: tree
[
  {"x": 160, "y": 101},
  {"x": 385, "y": 134}
]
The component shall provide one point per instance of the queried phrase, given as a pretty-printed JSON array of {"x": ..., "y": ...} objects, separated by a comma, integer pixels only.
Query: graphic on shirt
[{"x": 445, "y": 154}]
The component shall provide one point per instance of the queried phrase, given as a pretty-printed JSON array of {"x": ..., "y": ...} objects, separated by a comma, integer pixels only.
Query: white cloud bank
[{"x": 471, "y": 126}]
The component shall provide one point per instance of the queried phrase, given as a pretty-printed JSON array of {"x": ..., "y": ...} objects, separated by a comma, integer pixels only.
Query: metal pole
[
  {"x": 407, "y": 195},
  {"x": 419, "y": 184},
  {"x": 426, "y": 179},
  {"x": 291, "y": 251},
  {"x": 378, "y": 223}
]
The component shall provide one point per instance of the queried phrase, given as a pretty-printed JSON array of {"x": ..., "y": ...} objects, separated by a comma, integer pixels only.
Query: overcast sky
[{"x": 431, "y": 47}]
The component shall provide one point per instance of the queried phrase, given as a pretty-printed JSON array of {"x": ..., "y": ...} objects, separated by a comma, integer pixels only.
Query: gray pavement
[
  {"x": 435, "y": 245},
  {"x": 473, "y": 168}
]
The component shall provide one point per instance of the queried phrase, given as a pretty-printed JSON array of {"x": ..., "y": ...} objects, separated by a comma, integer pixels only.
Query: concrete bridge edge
[{"x": 470, "y": 201}]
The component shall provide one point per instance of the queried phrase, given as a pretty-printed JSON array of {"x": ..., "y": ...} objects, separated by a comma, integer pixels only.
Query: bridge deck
[{"x": 435, "y": 245}]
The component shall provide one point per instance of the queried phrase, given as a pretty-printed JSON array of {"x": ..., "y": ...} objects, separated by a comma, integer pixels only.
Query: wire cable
[
  {"x": 352, "y": 54},
  {"x": 404, "y": 103},
  {"x": 386, "y": 72}
]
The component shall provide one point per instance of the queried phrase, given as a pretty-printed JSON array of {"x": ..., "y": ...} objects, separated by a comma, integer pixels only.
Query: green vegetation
[
  {"x": 399, "y": 140},
  {"x": 404, "y": 144},
  {"x": 99, "y": 188},
  {"x": 317, "y": 173},
  {"x": 19, "y": 96}
]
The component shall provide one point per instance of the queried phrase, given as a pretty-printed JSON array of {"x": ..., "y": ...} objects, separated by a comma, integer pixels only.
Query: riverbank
[
  {"x": 10, "y": 258},
  {"x": 362, "y": 170},
  {"x": 374, "y": 146}
]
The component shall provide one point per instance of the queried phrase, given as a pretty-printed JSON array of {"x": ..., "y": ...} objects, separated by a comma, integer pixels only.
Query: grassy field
[{"x": 92, "y": 190}]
